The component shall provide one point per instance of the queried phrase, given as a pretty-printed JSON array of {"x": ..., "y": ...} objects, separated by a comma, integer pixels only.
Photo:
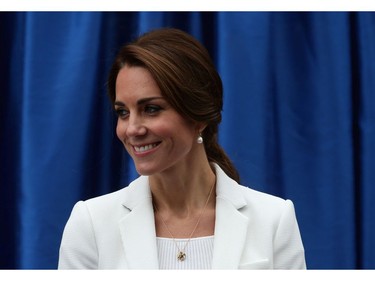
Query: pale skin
[{"x": 163, "y": 145}]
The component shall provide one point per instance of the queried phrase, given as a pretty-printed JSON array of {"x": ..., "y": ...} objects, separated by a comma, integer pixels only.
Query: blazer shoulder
[
  {"x": 106, "y": 201},
  {"x": 241, "y": 196},
  {"x": 264, "y": 205},
  {"x": 136, "y": 190},
  {"x": 252, "y": 194}
]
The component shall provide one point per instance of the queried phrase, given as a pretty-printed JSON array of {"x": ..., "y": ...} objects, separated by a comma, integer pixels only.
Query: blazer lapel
[
  {"x": 138, "y": 234},
  {"x": 230, "y": 226},
  {"x": 138, "y": 227}
]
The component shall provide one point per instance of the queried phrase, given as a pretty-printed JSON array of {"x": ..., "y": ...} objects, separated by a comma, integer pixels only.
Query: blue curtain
[{"x": 298, "y": 121}]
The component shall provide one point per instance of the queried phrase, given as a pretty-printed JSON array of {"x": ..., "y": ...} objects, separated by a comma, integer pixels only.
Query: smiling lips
[{"x": 145, "y": 148}]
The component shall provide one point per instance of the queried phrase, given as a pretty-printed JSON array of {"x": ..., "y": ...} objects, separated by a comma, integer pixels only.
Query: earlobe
[
  {"x": 200, "y": 139},
  {"x": 200, "y": 128}
]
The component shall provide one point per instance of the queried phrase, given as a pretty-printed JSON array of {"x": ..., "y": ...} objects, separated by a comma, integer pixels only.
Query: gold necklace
[{"x": 181, "y": 255}]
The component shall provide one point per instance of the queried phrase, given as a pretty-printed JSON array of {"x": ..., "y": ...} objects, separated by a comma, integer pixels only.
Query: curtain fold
[
  {"x": 298, "y": 120},
  {"x": 364, "y": 98}
]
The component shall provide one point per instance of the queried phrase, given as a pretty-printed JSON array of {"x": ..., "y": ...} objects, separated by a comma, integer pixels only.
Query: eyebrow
[{"x": 140, "y": 102}]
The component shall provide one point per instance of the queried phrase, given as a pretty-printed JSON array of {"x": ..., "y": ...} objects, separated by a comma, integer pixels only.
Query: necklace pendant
[{"x": 181, "y": 256}]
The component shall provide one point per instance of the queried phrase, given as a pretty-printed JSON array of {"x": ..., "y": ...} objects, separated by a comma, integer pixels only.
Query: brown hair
[{"x": 187, "y": 78}]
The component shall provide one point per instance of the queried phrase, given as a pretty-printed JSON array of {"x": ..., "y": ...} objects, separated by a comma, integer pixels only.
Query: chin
[{"x": 144, "y": 171}]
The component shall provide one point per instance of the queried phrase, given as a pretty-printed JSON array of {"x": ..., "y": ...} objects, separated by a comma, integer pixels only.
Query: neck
[{"x": 185, "y": 192}]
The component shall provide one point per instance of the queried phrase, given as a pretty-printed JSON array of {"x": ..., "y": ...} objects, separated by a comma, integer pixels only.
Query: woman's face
[{"x": 153, "y": 133}]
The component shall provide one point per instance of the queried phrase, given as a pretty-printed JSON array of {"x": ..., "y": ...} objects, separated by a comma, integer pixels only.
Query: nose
[{"x": 131, "y": 127}]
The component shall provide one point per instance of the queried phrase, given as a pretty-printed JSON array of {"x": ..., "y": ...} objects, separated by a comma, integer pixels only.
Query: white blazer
[{"x": 253, "y": 230}]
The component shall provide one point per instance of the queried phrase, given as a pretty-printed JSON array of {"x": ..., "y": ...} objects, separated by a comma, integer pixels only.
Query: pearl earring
[{"x": 200, "y": 139}]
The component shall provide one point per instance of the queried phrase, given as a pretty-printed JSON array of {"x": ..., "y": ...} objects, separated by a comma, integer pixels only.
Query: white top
[{"x": 198, "y": 252}]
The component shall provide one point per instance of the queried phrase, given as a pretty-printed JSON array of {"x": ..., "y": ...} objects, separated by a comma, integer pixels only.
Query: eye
[
  {"x": 152, "y": 109},
  {"x": 121, "y": 113}
]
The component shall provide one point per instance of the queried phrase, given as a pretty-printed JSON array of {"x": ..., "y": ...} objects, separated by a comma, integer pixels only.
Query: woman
[{"x": 186, "y": 210}]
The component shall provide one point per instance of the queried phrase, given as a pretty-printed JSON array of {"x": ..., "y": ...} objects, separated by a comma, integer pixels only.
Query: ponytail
[{"x": 215, "y": 153}]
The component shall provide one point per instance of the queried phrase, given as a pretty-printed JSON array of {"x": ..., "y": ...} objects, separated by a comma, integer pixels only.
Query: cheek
[
  {"x": 177, "y": 131},
  {"x": 184, "y": 135}
]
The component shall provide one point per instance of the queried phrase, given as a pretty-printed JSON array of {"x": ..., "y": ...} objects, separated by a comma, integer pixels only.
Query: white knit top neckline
[{"x": 199, "y": 252}]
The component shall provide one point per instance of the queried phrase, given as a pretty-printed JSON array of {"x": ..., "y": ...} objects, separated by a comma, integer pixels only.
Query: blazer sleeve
[
  {"x": 78, "y": 246},
  {"x": 288, "y": 248}
]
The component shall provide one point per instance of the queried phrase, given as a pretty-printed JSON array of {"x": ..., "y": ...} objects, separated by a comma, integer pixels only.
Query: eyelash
[
  {"x": 121, "y": 113},
  {"x": 152, "y": 109},
  {"x": 148, "y": 109}
]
